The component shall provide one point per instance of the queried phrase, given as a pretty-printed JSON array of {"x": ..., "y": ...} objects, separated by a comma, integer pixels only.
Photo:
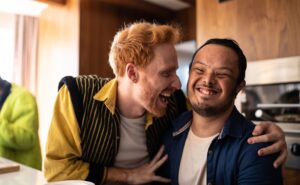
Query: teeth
[
  {"x": 165, "y": 95},
  {"x": 207, "y": 92},
  {"x": 164, "y": 99}
]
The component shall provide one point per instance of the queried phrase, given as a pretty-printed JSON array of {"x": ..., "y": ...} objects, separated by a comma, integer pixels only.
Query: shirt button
[{"x": 209, "y": 153}]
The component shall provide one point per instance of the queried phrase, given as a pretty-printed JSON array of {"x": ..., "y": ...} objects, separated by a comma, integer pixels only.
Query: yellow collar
[{"x": 108, "y": 94}]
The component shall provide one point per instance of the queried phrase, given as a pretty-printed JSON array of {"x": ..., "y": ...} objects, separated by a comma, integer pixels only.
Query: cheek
[{"x": 228, "y": 86}]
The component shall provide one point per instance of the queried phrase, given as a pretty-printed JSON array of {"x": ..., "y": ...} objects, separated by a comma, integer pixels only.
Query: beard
[
  {"x": 206, "y": 110},
  {"x": 150, "y": 98},
  {"x": 150, "y": 101}
]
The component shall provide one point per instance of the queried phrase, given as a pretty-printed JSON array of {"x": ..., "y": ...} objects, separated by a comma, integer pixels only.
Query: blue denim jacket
[{"x": 230, "y": 159}]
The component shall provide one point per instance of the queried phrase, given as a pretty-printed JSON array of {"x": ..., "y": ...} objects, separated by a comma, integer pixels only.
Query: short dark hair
[{"x": 230, "y": 43}]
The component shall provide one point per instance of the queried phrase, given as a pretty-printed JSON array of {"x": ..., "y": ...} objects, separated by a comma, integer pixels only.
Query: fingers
[
  {"x": 275, "y": 147},
  {"x": 260, "y": 128},
  {"x": 273, "y": 133},
  {"x": 160, "y": 162},
  {"x": 158, "y": 155},
  {"x": 280, "y": 159},
  {"x": 161, "y": 179},
  {"x": 262, "y": 138}
]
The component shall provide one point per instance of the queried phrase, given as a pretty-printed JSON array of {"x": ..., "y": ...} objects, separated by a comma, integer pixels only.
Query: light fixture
[{"x": 22, "y": 7}]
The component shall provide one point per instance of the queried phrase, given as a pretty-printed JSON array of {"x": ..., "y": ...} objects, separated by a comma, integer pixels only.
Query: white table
[{"x": 25, "y": 176}]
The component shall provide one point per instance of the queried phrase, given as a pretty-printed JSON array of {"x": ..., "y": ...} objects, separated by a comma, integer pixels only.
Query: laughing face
[
  {"x": 158, "y": 80},
  {"x": 212, "y": 84}
]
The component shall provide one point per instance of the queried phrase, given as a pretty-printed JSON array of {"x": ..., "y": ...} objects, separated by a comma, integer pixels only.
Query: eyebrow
[{"x": 221, "y": 68}]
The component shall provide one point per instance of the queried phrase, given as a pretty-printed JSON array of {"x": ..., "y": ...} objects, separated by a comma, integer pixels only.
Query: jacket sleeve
[
  {"x": 256, "y": 170},
  {"x": 63, "y": 149},
  {"x": 19, "y": 121}
]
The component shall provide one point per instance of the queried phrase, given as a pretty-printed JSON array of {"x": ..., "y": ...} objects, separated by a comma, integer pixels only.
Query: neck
[
  {"x": 126, "y": 100},
  {"x": 208, "y": 126}
]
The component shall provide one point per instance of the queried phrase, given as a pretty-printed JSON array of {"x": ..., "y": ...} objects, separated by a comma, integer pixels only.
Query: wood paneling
[
  {"x": 186, "y": 18},
  {"x": 264, "y": 28},
  {"x": 97, "y": 28},
  {"x": 99, "y": 22},
  {"x": 291, "y": 176},
  {"x": 54, "y": 1},
  {"x": 141, "y": 6}
]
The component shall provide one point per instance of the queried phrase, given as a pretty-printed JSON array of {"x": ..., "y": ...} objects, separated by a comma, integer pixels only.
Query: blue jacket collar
[{"x": 231, "y": 127}]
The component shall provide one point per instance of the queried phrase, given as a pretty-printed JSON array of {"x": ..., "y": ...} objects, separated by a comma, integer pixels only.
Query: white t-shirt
[
  {"x": 192, "y": 170},
  {"x": 132, "y": 150}
]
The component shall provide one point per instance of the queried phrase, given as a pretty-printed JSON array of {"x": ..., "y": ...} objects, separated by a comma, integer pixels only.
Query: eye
[
  {"x": 222, "y": 75},
  {"x": 166, "y": 74},
  {"x": 199, "y": 70}
]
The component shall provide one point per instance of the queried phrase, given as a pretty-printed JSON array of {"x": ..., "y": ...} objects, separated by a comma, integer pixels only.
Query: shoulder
[
  {"x": 91, "y": 80},
  {"x": 83, "y": 80},
  {"x": 21, "y": 93},
  {"x": 178, "y": 126},
  {"x": 257, "y": 169}
]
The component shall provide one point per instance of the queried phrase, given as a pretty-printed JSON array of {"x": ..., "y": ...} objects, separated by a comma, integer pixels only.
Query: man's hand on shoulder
[{"x": 270, "y": 132}]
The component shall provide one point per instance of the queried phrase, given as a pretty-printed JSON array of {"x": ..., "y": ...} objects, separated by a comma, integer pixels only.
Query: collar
[
  {"x": 108, "y": 95},
  {"x": 233, "y": 125}
]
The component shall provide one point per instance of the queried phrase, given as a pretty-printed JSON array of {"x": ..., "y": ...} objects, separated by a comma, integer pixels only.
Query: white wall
[
  {"x": 7, "y": 44},
  {"x": 58, "y": 56}
]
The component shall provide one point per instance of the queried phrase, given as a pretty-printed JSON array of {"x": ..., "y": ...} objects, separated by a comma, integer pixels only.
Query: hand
[
  {"x": 140, "y": 175},
  {"x": 146, "y": 173},
  {"x": 269, "y": 132}
]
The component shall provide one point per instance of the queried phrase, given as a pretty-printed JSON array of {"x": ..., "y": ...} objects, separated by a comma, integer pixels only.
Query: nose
[
  {"x": 209, "y": 78},
  {"x": 176, "y": 84}
]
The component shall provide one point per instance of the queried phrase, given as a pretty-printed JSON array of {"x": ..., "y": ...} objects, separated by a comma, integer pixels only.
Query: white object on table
[
  {"x": 71, "y": 182},
  {"x": 25, "y": 176}
]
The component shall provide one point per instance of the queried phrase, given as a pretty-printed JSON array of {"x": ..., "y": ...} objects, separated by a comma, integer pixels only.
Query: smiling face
[
  {"x": 158, "y": 80},
  {"x": 212, "y": 84}
]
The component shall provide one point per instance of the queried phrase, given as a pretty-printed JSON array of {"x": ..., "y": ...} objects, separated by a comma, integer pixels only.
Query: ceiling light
[{"x": 23, "y": 7}]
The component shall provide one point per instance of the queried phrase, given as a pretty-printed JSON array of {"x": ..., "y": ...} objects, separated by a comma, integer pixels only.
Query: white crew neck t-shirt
[
  {"x": 132, "y": 150},
  {"x": 192, "y": 170}
]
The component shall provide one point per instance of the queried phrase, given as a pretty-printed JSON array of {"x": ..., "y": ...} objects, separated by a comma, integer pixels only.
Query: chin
[{"x": 159, "y": 113}]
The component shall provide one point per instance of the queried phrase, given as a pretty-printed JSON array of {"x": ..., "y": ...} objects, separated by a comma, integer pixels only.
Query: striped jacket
[{"x": 84, "y": 134}]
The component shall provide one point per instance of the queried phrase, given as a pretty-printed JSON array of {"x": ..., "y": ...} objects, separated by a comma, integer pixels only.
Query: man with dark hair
[{"x": 208, "y": 145}]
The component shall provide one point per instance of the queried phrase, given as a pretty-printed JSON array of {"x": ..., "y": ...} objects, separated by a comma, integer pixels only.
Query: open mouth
[
  {"x": 164, "y": 97},
  {"x": 206, "y": 91}
]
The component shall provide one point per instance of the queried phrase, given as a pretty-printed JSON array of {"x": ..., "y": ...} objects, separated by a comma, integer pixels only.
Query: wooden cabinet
[
  {"x": 264, "y": 29},
  {"x": 291, "y": 176}
]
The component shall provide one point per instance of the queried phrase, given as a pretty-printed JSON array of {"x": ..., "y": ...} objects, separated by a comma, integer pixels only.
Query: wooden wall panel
[
  {"x": 97, "y": 28},
  {"x": 264, "y": 28},
  {"x": 186, "y": 18},
  {"x": 99, "y": 21},
  {"x": 291, "y": 176}
]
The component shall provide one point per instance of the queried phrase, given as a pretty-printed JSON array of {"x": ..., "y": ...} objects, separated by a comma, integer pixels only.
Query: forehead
[
  {"x": 165, "y": 57},
  {"x": 216, "y": 54}
]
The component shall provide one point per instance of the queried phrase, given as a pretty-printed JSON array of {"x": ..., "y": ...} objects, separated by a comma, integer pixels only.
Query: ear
[
  {"x": 131, "y": 72},
  {"x": 240, "y": 87}
]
